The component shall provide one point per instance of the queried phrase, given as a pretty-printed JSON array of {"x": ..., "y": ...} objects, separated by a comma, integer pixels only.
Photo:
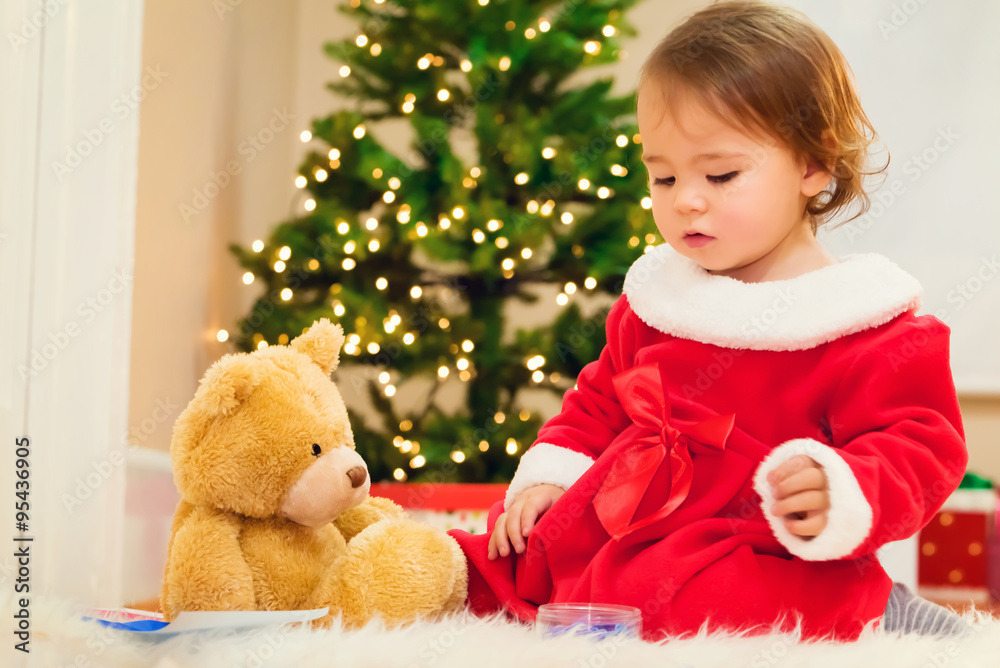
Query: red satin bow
[{"x": 640, "y": 391}]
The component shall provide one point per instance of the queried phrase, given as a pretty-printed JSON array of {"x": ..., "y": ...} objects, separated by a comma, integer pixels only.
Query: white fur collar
[{"x": 675, "y": 295}]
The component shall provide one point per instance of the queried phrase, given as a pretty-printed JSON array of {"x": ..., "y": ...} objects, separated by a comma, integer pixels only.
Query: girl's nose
[{"x": 688, "y": 199}]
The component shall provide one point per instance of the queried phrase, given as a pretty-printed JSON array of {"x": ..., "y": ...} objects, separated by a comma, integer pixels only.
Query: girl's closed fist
[
  {"x": 514, "y": 525},
  {"x": 802, "y": 496}
]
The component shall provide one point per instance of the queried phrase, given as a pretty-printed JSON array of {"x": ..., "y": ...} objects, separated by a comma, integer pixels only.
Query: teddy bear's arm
[
  {"x": 373, "y": 509},
  {"x": 206, "y": 568}
]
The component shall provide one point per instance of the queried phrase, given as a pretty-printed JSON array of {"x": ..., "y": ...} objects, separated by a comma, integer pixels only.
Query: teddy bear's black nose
[{"x": 358, "y": 475}]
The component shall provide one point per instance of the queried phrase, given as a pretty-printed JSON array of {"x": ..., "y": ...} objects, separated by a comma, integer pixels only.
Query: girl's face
[{"x": 732, "y": 202}]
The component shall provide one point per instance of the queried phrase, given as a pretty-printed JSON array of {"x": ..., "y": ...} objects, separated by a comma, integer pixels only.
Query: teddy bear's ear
[
  {"x": 228, "y": 383},
  {"x": 321, "y": 343}
]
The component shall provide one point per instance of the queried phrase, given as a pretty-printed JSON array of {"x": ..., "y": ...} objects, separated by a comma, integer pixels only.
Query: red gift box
[{"x": 955, "y": 548}]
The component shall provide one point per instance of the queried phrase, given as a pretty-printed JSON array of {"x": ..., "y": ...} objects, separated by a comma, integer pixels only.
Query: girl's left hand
[{"x": 802, "y": 496}]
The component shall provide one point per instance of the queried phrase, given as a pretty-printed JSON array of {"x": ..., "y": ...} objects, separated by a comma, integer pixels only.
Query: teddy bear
[{"x": 275, "y": 512}]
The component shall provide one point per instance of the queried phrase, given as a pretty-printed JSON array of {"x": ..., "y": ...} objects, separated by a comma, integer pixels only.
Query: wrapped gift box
[
  {"x": 956, "y": 548},
  {"x": 444, "y": 505}
]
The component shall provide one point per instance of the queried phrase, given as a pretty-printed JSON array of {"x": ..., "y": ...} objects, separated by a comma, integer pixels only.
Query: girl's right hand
[{"x": 512, "y": 526}]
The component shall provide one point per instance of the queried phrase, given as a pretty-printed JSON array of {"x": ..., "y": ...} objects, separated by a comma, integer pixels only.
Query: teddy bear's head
[{"x": 267, "y": 434}]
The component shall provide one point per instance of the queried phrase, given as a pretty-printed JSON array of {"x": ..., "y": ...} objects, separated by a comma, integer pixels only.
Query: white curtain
[{"x": 71, "y": 82}]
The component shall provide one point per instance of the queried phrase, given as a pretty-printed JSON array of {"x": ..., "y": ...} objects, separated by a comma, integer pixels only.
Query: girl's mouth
[{"x": 697, "y": 240}]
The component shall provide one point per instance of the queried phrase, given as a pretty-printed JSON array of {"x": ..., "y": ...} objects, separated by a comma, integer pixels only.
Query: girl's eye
[
  {"x": 723, "y": 178},
  {"x": 669, "y": 181}
]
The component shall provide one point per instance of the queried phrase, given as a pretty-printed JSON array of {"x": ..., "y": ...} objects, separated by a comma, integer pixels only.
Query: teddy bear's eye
[{"x": 317, "y": 451}]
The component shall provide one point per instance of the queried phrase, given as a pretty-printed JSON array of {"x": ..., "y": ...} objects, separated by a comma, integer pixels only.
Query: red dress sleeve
[{"x": 898, "y": 448}]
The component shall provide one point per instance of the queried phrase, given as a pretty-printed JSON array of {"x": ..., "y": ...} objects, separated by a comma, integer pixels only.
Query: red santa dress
[{"x": 705, "y": 385}]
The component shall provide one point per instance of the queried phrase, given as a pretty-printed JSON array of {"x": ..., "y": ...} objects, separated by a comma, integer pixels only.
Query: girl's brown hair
[{"x": 768, "y": 68}]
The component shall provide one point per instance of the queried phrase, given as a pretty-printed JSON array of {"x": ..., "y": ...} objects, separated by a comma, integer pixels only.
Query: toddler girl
[{"x": 764, "y": 416}]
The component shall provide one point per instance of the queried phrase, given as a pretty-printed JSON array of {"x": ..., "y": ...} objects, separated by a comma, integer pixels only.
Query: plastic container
[{"x": 597, "y": 620}]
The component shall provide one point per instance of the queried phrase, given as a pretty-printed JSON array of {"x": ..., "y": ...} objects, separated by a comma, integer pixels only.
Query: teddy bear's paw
[{"x": 400, "y": 570}]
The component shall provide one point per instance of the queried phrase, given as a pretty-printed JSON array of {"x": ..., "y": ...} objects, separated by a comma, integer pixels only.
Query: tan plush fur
[{"x": 274, "y": 511}]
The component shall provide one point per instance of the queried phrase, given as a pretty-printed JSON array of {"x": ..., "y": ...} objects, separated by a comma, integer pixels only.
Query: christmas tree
[{"x": 418, "y": 252}]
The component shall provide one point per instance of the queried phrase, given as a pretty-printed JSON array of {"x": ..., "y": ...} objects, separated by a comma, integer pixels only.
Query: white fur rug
[{"x": 60, "y": 638}]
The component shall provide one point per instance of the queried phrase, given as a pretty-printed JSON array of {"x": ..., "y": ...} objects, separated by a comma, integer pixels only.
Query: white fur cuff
[
  {"x": 850, "y": 518},
  {"x": 547, "y": 463}
]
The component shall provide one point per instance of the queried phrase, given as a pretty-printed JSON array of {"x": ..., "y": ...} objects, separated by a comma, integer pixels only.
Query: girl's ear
[{"x": 815, "y": 178}]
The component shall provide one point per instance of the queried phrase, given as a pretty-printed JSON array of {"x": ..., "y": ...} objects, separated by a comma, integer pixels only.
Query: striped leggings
[{"x": 908, "y": 613}]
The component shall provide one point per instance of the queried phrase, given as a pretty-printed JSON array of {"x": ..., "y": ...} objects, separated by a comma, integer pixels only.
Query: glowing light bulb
[
  {"x": 583, "y": 184},
  {"x": 418, "y": 461},
  {"x": 394, "y": 183},
  {"x": 334, "y": 154},
  {"x": 494, "y": 225},
  {"x": 593, "y": 48},
  {"x": 415, "y": 292},
  {"x": 371, "y": 223},
  {"x": 408, "y": 338},
  {"x": 458, "y": 456},
  {"x": 548, "y": 153},
  {"x": 349, "y": 247},
  {"x": 526, "y": 253},
  {"x": 562, "y": 299},
  {"x": 310, "y": 204},
  {"x": 647, "y": 202},
  {"x": 361, "y": 40},
  {"x": 622, "y": 141},
  {"x": 286, "y": 294},
  {"x": 504, "y": 64},
  {"x": 349, "y": 263},
  {"x": 538, "y": 376},
  {"x": 345, "y": 71},
  {"x": 399, "y": 474},
  {"x": 300, "y": 182},
  {"x": 390, "y": 390},
  {"x": 222, "y": 335},
  {"x": 466, "y": 65},
  {"x": 502, "y": 242},
  {"x": 248, "y": 278},
  {"x": 373, "y": 245},
  {"x": 521, "y": 179},
  {"x": 478, "y": 236},
  {"x": 570, "y": 288},
  {"x": 443, "y": 94},
  {"x": 608, "y": 31},
  {"x": 507, "y": 264},
  {"x": 458, "y": 212},
  {"x": 443, "y": 372},
  {"x": 373, "y": 348},
  {"x": 321, "y": 175},
  {"x": 305, "y": 136},
  {"x": 604, "y": 192},
  {"x": 468, "y": 346},
  {"x": 381, "y": 283},
  {"x": 279, "y": 266},
  {"x": 258, "y": 246},
  {"x": 424, "y": 63},
  {"x": 376, "y": 49},
  {"x": 339, "y": 310},
  {"x": 511, "y": 446},
  {"x": 566, "y": 218},
  {"x": 462, "y": 364},
  {"x": 359, "y": 132},
  {"x": 590, "y": 283},
  {"x": 285, "y": 252}
]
